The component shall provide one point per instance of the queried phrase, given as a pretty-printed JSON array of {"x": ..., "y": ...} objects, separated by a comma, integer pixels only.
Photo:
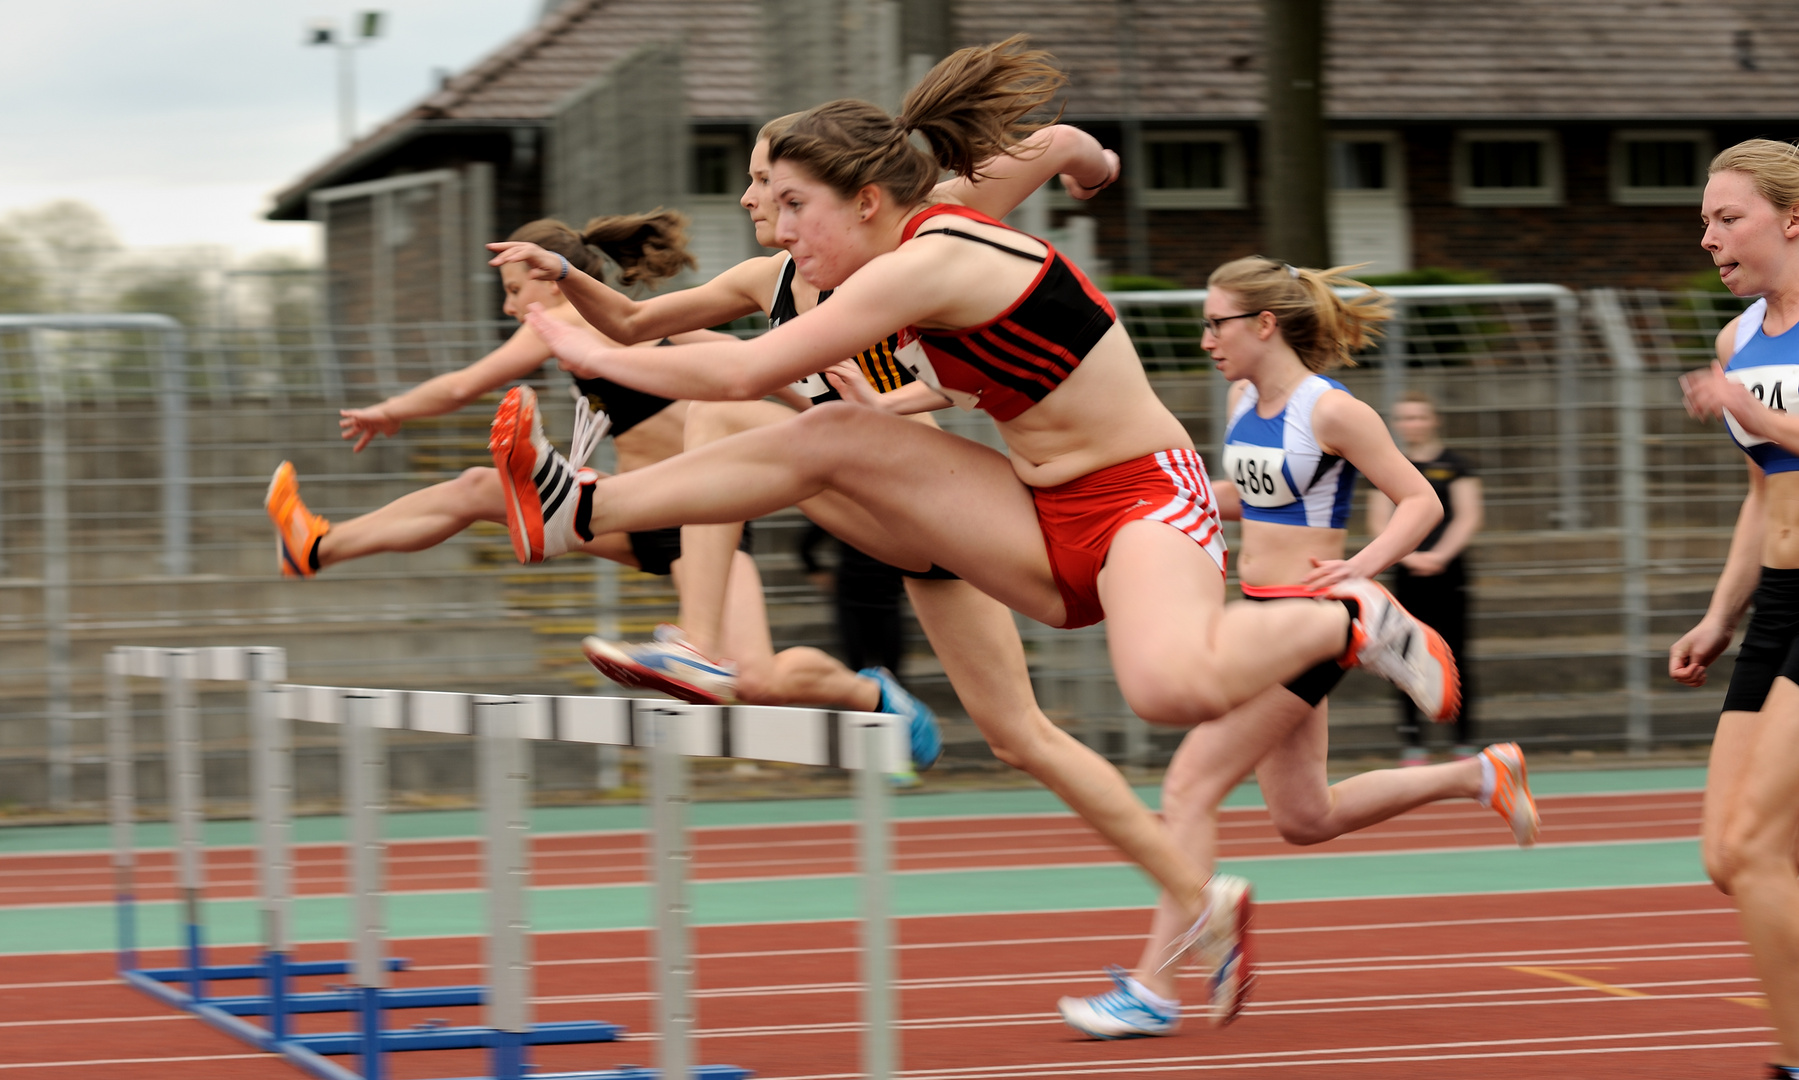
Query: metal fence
[{"x": 134, "y": 453}]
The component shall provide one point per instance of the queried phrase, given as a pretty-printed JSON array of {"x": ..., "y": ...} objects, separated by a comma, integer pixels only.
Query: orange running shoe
[
  {"x": 1388, "y": 641},
  {"x": 546, "y": 493},
  {"x": 297, "y": 529},
  {"x": 1511, "y": 797}
]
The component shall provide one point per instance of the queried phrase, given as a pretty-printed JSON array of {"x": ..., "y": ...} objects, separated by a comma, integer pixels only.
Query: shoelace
[
  {"x": 1121, "y": 1002},
  {"x": 590, "y": 428}
]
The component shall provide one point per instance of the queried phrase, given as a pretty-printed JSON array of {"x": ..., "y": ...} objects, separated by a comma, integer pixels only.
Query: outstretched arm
[
  {"x": 731, "y": 295},
  {"x": 892, "y": 291},
  {"x": 1085, "y": 167},
  {"x": 523, "y": 353},
  {"x": 1354, "y": 431}
]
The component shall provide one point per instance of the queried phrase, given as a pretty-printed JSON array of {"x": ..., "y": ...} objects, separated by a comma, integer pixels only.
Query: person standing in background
[{"x": 1432, "y": 582}]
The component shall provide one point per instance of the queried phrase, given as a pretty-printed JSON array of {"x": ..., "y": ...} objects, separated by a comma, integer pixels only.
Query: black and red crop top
[{"x": 1013, "y": 361}]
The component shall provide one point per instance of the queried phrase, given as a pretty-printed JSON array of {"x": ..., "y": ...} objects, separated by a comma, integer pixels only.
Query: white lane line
[
  {"x": 90, "y": 1063},
  {"x": 1655, "y": 1040}
]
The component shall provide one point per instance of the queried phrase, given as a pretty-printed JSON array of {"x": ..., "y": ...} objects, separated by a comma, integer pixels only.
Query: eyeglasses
[{"x": 1211, "y": 325}]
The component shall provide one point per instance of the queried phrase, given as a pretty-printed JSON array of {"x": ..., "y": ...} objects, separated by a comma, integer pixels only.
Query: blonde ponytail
[{"x": 1323, "y": 328}]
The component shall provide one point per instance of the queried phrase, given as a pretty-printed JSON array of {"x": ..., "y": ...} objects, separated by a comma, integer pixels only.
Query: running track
[{"x": 1520, "y": 972}]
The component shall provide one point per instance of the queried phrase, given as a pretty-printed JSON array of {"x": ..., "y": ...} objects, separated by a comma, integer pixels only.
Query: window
[
  {"x": 1508, "y": 168},
  {"x": 1659, "y": 168},
  {"x": 717, "y": 167},
  {"x": 1192, "y": 170},
  {"x": 1359, "y": 164}
]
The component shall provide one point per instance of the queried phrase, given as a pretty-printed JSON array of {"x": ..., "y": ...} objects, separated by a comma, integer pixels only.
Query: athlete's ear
[
  {"x": 1790, "y": 227},
  {"x": 1267, "y": 322},
  {"x": 869, "y": 201}
]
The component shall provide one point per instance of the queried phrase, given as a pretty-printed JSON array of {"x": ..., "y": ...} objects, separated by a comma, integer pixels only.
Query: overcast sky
[{"x": 179, "y": 118}]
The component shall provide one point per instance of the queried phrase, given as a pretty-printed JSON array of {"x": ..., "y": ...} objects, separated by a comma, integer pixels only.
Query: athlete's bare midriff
[
  {"x": 1272, "y": 555},
  {"x": 1780, "y": 521},
  {"x": 656, "y": 439},
  {"x": 1102, "y": 414}
]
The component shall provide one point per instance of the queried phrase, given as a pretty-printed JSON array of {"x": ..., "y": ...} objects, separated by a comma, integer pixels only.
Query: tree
[{"x": 21, "y": 286}]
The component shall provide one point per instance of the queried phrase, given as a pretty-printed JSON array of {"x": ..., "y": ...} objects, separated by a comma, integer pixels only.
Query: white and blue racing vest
[
  {"x": 1769, "y": 368},
  {"x": 1282, "y": 474}
]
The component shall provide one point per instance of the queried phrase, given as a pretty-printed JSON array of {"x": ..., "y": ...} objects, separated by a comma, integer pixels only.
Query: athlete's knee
[
  {"x": 1173, "y": 701},
  {"x": 1300, "y": 827},
  {"x": 1022, "y": 745}
]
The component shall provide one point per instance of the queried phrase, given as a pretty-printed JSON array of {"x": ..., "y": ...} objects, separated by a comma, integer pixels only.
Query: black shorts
[
  {"x": 1315, "y": 683},
  {"x": 1770, "y": 645},
  {"x": 657, "y": 549}
]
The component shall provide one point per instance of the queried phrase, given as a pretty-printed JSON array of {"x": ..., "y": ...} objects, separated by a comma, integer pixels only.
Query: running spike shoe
[
  {"x": 1226, "y": 946},
  {"x": 1118, "y": 1014},
  {"x": 1511, "y": 792},
  {"x": 1394, "y": 644},
  {"x": 297, "y": 529},
  {"x": 667, "y": 664},
  {"x": 542, "y": 488},
  {"x": 923, "y": 733}
]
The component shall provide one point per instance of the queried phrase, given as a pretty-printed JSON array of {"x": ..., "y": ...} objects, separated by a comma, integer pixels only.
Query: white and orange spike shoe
[
  {"x": 1396, "y": 645},
  {"x": 1511, "y": 798},
  {"x": 297, "y": 529},
  {"x": 543, "y": 488}
]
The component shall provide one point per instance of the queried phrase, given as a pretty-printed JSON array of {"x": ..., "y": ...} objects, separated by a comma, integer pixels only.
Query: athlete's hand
[
  {"x": 364, "y": 424},
  {"x": 1078, "y": 190},
  {"x": 1425, "y": 563},
  {"x": 845, "y": 377},
  {"x": 576, "y": 350},
  {"x": 1689, "y": 657},
  {"x": 1330, "y": 572},
  {"x": 540, "y": 264},
  {"x": 1709, "y": 392}
]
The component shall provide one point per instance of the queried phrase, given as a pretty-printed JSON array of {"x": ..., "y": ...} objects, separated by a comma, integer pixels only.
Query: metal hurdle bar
[{"x": 671, "y": 731}]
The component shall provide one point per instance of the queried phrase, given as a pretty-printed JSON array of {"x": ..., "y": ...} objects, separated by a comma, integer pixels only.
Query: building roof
[{"x": 1200, "y": 60}]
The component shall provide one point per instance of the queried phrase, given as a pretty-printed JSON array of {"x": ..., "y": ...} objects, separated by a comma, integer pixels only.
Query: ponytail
[
  {"x": 648, "y": 247},
  {"x": 970, "y": 108},
  {"x": 1322, "y": 327}
]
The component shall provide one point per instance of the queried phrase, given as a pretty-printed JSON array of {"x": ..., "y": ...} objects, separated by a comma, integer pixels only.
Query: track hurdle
[{"x": 871, "y": 744}]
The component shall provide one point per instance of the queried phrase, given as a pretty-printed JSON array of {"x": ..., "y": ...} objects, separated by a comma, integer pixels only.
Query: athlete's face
[
  {"x": 756, "y": 198},
  {"x": 1750, "y": 241},
  {"x": 1415, "y": 422},
  {"x": 828, "y": 235},
  {"x": 1235, "y": 336},
  {"x": 522, "y": 290}
]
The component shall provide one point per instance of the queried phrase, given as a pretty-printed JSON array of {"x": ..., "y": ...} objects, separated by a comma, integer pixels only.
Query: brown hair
[
  {"x": 777, "y": 127},
  {"x": 648, "y": 247},
  {"x": 971, "y": 107},
  {"x": 1772, "y": 166},
  {"x": 1416, "y": 397},
  {"x": 1322, "y": 327}
]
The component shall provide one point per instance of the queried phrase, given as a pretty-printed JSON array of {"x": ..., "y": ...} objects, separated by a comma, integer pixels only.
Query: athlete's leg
[
  {"x": 1753, "y": 856},
  {"x": 975, "y": 638},
  {"x": 947, "y": 499},
  {"x": 1182, "y": 656},
  {"x": 1308, "y": 809},
  {"x": 1210, "y": 762},
  {"x": 798, "y": 676},
  {"x": 1734, "y": 744},
  {"x": 427, "y": 517},
  {"x": 706, "y": 550}
]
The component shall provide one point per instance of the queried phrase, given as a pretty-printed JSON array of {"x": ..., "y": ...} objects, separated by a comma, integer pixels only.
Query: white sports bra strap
[{"x": 1748, "y": 323}]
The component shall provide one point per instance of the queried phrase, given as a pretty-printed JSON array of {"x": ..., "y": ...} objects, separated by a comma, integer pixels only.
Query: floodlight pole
[{"x": 366, "y": 28}]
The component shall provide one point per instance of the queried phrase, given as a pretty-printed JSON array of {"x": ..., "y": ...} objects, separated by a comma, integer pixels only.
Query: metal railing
[{"x": 133, "y": 454}]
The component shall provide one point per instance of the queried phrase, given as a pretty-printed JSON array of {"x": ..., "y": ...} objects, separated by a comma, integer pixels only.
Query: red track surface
[
  {"x": 791, "y": 850},
  {"x": 1481, "y": 986}
]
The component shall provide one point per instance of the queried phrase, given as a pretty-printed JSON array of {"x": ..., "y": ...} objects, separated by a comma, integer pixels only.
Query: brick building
[{"x": 1559, "y": 140}]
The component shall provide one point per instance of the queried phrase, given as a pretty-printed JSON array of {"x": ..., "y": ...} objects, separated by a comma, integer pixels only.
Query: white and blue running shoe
[
  {"x": 668, "y": 664},
  {"x": 925, "y": 738},
  {"x": 1120, "y": 1014}
]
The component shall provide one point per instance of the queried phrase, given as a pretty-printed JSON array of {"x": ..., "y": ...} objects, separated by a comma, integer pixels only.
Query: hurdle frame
[{"x": 871, "y": 744}]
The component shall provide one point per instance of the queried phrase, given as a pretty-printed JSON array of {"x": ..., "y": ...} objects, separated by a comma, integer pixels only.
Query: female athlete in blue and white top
[
  {"x": 1750, "y": 826},
  {"x": 1295, "y": 443}
]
